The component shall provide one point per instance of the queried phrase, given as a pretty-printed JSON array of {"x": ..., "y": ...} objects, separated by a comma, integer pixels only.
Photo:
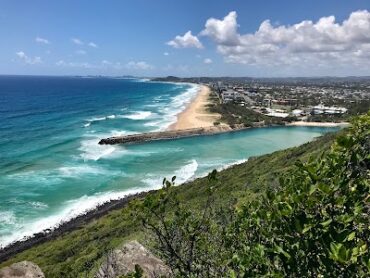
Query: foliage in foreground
[{"x": 317, "y": 224}]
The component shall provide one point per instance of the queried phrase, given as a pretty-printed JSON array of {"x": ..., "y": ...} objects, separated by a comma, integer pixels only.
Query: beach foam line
[
  {"x": 177, "y": 104},
  {"x": 73, "y": 209},
  {"x": 138, "y": 115},
  {"x": 84, "y": 204}
]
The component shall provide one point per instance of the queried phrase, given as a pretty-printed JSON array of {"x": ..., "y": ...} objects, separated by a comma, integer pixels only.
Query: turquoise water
[{"x": 52, "y": 168}]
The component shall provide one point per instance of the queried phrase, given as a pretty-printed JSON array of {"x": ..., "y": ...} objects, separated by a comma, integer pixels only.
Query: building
[
  {"x": 227, "y": 96},
  {"x": 327, "y": 110}
]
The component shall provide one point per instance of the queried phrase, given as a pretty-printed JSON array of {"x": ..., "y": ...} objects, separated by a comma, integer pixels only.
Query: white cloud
[
  {"x": 325, "y": 43},
  {"x": 139, "y": 65},
  {"x": 166, "y": 53},
  {"x": 81, "y": 52},
  {"x": 207, "y": 61},
  {"x": 28, "y": 60},
  {"x": 185, "y": 41},
  {"x": 92, "y": 44},
  {"x": 77, "y": 41},
  {"x": 223, "y": 31},
  {"x": 60, "y": 63},
  {"x": 42, "y": 40},
  {"x": 103, "y": 65},
  {"x": 84, "y": 65},
  {"x": 105, "y": 62}
]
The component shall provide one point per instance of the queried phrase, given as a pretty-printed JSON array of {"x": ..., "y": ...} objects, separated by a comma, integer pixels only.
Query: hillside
[{"x": 78, "y": 253}]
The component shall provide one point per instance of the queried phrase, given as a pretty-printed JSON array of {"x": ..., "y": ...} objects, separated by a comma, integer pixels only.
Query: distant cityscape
[{"x": 304, "y": 99}]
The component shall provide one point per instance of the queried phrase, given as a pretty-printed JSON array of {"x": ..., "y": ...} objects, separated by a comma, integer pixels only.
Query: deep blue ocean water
[{"x": 52, "y": 168}]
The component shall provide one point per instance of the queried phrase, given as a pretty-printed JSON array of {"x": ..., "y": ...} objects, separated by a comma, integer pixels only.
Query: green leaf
[
  {"x": 326, "y": 223},
  {"x": 313, "y": 188},
  {"x": 351, "y": 236},
  {"x": 280, "y": 250},
  {"x": 307, "y": 227}
]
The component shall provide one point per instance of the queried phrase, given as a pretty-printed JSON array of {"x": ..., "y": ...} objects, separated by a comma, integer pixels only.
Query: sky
[{"x": 185, "y": 37}]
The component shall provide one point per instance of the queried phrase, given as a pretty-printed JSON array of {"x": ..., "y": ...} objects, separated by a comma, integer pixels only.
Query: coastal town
[{"x": 287, "y": 100}]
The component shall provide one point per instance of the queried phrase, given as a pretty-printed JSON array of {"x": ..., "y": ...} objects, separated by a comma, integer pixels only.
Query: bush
[{"x": 318, "y": 223}]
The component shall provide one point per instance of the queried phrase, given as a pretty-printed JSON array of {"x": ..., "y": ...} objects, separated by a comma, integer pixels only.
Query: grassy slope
[{"x": 77, "y": 253}]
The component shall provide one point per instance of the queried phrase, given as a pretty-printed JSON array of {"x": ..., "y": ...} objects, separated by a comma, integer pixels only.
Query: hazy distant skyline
[{"x": 185, "y": 38}]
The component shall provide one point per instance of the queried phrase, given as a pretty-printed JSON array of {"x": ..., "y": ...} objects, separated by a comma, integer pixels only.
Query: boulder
[
  {"x": 123, "y": 260},
  {"x": 22, "y": 269}
]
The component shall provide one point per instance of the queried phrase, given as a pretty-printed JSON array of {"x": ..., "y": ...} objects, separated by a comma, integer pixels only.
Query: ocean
[{"x": 52, "y": 168}]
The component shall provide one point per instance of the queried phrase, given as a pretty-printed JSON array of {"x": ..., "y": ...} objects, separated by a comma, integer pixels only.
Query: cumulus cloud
[
  {"x": 207, "y": 61},
  {"x": 77, "y": 41},
  {"x": 81, "y": 52},
  {"x": 92, "y": 44},
  {"x": 322, "y": 43},
  {"x": 223, "y": 31},
  {"x": 186, "y": 41},
  {"x": 42, "y": 40},
  {"x": 141, "y": 65},
  {"x": 28, "y": 60},
  {"x": 166, "y": 53}
]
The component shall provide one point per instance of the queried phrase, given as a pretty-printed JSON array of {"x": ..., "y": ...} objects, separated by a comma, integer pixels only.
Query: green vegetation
[
  {"x": 234, "y": 114},
  {"x": 236, "y": 199},
  {"x": 314, "y": 224}
]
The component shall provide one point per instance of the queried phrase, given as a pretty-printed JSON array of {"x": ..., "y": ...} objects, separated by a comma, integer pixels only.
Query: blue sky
[{"x": 147, "y": 38}]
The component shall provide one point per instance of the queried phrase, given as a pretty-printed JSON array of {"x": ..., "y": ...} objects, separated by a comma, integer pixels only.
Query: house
[{"x": 327, "y": 110}]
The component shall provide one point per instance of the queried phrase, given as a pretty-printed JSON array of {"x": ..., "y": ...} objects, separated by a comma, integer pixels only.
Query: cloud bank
[{"x": 322, "y": 43}]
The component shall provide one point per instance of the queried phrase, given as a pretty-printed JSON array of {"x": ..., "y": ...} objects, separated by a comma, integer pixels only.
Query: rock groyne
[{"x": 165, "y": 135}]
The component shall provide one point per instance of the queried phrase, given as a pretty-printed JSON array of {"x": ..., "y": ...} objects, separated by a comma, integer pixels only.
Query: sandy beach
[
  {"x": 319, "y": 124},
  {"x": 196, "y": 114}
]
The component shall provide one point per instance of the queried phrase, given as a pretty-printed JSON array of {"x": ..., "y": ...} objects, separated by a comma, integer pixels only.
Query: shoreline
[
  {"x": 195, "y": 114},
  {"x": 49, "y": 234},
  {"x": 319, "y": 124}
]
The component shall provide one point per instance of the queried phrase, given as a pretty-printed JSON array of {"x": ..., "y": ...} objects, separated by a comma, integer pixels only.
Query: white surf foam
[
  {"x": 7, "y": 218},
  {"x": 183, "y": 174},
  {"x": 38, "y": 205},
  {"x": 80, "y": 170},
  {"x": 176, "y": 106},
  {"x": 216, "y": 165},
  {"x": 42, "y": 178},
  {"x": 138, "y": 115},
  {"x": 91, "y": 150},
  {"x": 72, "y": 209},
  {"x": 98, "y": 119},
  {"x": 84, "y": 204}
]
